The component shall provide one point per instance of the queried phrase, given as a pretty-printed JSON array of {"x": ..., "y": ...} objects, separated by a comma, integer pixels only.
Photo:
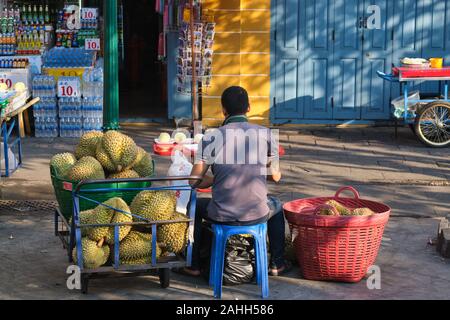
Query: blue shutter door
[
  {"x": 407, "y": 28},
  {"x": 347, "y": 59},
  {"x": 288, "y": 92},
  {"x": 317, "y": 59},
  {"x": 435, "y": 37},
  {"x": 377, "y": 55},
  {"x": 310, "y": 68}
]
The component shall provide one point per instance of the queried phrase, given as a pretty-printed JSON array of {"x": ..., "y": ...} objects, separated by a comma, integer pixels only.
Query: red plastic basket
[{"x": 336, "y": 248}]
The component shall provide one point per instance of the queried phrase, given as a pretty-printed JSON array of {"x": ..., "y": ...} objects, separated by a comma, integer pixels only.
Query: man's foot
[
  {"x": 188, "y": 272},
  {"x": 275, "y": 272}
]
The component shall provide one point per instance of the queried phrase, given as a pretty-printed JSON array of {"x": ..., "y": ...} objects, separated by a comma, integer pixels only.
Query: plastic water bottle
[
  {"x": 45, "y": 112},
  {"x": 92, "y": 108}
]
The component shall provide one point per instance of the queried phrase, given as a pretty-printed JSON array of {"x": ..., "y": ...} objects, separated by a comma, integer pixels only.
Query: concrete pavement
[
  {"x": 34, "y": 265},
  {"x": 411, "y": 178}
]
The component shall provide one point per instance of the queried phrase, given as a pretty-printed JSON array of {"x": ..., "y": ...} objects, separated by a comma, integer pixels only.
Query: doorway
[{"x": 142, "y": 76}]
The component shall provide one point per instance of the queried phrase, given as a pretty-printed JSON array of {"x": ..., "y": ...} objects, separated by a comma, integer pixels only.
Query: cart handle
[
  {"x": 349, "y": 188},
  {"x": 153, "y": 179},
  {"x": 387, "y": 77}
]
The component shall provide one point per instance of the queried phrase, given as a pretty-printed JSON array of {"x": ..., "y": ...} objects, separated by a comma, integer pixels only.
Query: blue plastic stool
[{"x": 221, "y": 235}]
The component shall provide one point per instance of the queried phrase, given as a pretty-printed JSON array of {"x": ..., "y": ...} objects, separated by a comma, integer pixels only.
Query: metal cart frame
[
  {"x": 16, "y": 123},
  {"x": 415, "y": 122},
  {"x": 7, "y": 132},
  {"x": 162, "y": 264}
]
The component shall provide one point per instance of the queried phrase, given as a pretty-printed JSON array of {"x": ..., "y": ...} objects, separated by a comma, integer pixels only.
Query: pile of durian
[
  {"x": 98, "y": 155},
  {"x": 135, "y": 246},
  {"x": 341, "y": 210}
]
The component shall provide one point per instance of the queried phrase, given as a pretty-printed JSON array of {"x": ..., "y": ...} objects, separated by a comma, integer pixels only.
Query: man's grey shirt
[{"x": 238, "y": 154}]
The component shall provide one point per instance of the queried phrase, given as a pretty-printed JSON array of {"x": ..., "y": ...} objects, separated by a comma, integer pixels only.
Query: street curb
[{"x": 432, "y": 183}]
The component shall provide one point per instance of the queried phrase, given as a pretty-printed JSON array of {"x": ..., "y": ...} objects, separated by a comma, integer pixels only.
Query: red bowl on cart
[
  {"x": 336, "y": 248},
  {"x": 163, "y": 149}
]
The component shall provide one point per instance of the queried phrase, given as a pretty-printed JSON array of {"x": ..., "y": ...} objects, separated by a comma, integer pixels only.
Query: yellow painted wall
[{"x": 241, "y": 56}]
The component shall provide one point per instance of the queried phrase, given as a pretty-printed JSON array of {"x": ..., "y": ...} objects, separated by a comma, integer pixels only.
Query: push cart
[
  {"x": 430, "y": 120},
  {"x": 70, "y": 233}
]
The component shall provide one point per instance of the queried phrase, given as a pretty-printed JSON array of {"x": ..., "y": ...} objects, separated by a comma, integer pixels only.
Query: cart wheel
[
  {"x": 84, "y": 284},
  {"x": 432, "y": 124},
  {"x": 164, "y": 277}
]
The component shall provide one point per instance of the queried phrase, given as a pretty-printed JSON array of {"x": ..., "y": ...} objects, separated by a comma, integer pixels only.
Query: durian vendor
[{"x": 239, "y": 186}]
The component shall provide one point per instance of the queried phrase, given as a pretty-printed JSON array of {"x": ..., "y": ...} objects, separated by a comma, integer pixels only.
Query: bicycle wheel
[{"x": 432, "y": 124}]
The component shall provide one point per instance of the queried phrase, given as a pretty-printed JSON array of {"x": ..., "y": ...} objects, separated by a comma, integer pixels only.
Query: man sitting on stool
[{"x": 242, "y": 156}]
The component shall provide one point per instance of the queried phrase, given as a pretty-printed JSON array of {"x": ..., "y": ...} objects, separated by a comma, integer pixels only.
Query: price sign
[
  {"x": 5, "y": 79},
  {"x": 92, "y": 44},
  {"x": 89, "y": 13},
  {"x": 68, "y": 88}
]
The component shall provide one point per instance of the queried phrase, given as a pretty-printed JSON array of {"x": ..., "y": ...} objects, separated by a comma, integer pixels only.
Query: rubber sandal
[{"x": 276, "y": 272}]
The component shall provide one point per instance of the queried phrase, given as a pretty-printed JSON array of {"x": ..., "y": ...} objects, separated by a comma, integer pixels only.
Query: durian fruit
[
  {"x": 85, "y": 217},
  {"x": 105, "y": 215},
  {"x": 328, "y": 212},
  {"x": 94, "y": 253},
  {"x": 174, "y": 236},
  {"x": 154, "y": 205},
  {"x": 87, "y": 168},
  {"x": 143, "y": 164},
  {"x": 88, "y": 144},
  {"x": 116, "y": 151},
  {"x": 362, "y": 212},
  {"x": 343, "y": 211},
  {"x": 142, "y": 229},
  {"x": 124, "y": 174},
  {"x": 136, "y": 248},
  {"x": 62, "y": 163},
  {"x": 137, "y": 261}
]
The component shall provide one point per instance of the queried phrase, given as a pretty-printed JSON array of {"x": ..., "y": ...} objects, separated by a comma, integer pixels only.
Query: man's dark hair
[{"x": 235, "y": 100}]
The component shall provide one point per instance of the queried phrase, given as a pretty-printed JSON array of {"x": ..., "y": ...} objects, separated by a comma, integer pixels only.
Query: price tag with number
[
  {"x": 5, "y": 79},
  {"x": 89, "y": 13},
  {"x": 68, "y": 88},
  {"x": 92, "y": 44}
]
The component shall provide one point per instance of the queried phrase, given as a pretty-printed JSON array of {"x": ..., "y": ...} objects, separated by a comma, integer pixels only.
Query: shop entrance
[{"x": 142, "y": 76}]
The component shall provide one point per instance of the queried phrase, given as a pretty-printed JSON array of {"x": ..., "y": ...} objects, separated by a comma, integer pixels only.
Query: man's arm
[
  {"x": 199, "y": 169},
  {"x": 274, "y": 172}
]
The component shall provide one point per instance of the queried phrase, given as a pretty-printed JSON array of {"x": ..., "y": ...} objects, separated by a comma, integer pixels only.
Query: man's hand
[
  {"x": 200, "y": 169},
  {"x": 274, "y": 173}
]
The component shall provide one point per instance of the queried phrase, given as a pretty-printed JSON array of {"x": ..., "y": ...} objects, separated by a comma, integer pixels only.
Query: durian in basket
[{"x": 334, "y": 208}]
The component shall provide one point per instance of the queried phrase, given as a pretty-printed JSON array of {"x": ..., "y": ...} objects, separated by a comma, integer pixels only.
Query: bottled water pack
[
  {"x": 46, "y": 110},
  {"x": 70, "y": 117},
  {"x": 92, "y": 99},
  {"x": 44, "y": 86}
]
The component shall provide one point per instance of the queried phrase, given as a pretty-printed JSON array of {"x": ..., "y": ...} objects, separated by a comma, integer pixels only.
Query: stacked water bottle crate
[
  {"x": 93, "y": 100},
  {"x": 70, "y": 117},
  {"x": 46, "y": 110},
  {"x": 70, "y": 112}
]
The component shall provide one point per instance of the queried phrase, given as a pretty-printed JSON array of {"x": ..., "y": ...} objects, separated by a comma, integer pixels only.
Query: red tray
[
  {"x": 166, "y": 150},
  {"x": 424, "y": 73},
  {"x": 163, "y": 149}
]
